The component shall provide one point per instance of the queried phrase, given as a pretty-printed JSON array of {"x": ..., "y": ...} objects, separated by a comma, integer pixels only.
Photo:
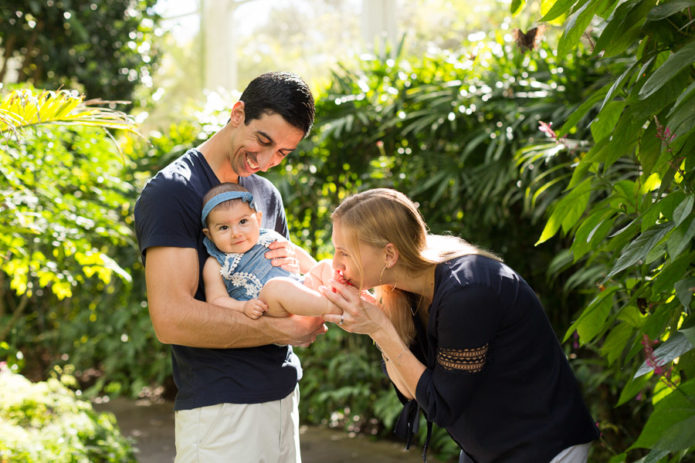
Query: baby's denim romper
[{"x": 245, "y": 274}]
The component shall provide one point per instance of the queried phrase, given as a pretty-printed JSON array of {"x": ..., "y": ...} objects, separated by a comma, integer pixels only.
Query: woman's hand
[{"x": 360, "y": 312}]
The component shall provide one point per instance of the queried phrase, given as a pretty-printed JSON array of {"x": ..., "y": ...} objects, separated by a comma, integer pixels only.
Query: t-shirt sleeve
[
  {"x": 165, "y": 215},
  {"x": 267, "y": 196},
  {"x": 467, "y": 322}
]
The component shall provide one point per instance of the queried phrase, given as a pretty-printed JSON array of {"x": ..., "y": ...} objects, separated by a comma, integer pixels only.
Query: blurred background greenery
[{"x": 440, "y": 99}]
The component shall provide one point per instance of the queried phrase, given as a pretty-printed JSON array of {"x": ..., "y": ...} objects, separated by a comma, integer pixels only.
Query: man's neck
[{"x": 216, "y": 158}]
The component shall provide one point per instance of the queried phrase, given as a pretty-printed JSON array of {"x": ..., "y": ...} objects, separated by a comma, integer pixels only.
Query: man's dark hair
[{"x": 282, "y": 93}]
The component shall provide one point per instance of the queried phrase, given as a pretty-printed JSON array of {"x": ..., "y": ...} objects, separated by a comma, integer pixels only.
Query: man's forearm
[{"x": 206, "y": 325}]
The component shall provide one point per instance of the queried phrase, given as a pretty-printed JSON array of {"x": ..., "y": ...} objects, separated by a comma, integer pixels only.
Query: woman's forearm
[{"x": 403, "y": 367}]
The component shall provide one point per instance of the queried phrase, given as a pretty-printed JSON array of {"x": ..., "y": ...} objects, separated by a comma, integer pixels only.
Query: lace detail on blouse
[
  {"x": 251, "y": 284},
  {"x": 469, "y": 360}
]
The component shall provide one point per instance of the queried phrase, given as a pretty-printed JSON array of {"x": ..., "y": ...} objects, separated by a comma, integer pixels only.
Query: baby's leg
[{"x": 286, "y": 296}]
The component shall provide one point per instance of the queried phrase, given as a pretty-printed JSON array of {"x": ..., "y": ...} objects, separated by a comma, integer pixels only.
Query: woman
[{"x": 460, "y": 332}]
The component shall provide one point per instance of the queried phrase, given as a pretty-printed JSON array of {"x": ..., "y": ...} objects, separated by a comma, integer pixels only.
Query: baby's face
[{"x": 235, "y": 228}]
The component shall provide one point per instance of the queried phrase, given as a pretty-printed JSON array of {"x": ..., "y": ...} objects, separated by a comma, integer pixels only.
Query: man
[{"x": 236, "y": 377}]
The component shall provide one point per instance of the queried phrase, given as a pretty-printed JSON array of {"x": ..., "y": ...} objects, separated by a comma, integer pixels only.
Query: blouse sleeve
[{"x": 467, "y": 320}]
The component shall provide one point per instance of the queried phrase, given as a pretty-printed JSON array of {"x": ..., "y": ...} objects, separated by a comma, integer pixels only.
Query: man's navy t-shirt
[{"x": 167, "y": 213}]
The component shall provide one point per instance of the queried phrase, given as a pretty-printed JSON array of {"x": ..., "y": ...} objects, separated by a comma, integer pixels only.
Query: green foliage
[
  {"x": 67, "y": 292},
  {"x": 627, "y": 207},
  {"x": 104, "y": 48},
  {"x": 45, "y": 421}
]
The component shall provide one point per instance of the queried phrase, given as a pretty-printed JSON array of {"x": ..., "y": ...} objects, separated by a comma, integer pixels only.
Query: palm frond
[{"x": 24, "y": 107}]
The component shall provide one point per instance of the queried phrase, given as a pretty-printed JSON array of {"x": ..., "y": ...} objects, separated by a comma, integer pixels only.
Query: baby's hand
[{"x": 255, "y": 308}]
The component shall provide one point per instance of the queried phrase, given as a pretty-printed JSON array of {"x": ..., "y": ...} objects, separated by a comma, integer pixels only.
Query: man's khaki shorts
[{"x": 245, "y": 433}]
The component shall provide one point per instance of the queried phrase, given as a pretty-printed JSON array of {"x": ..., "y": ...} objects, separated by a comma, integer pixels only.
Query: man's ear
[
  {"x": 390, "y": 255},
  {"x": 237, "y": 115}
]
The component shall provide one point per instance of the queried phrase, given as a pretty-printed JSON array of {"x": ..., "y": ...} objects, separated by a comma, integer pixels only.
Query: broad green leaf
[
  {"x": 624, "y": 27},
  {"x": 624, "y": 139},
  {"x": 574, "y": 204},
  {"x": 670, "y": 350},
  {"x": 680, "y": 436},
  {"x": 683, "y": 209},
  {"x": 673, "y": 65},
  {"x": 671, "y": 425},
  {"x": 681, "y": 238},
  {"x": 689, "y": 333},
  {"x": 632, "y": 388},
  {"x": 686, "y": 94},
  {"x": 567, "y": 211},
  {"x": 594, "y": 227},
  {"x": 638, "y": 249},
  {"x": 591, "y": 322},
  {"x": 617, "y": 85},
  {"x": 559, "y": 8},
  {"x": 684, "y": 291},
  {"x": 616, "y": 342},
  {"x": 671, "y": 271},
  {"x": 516, "y": 6},
  {"x": 681, "y": 120},
  {"x": 649, "y": 149},
  {"x": 654, "y": 456},
  {"x": 604, "y": 123},
  {"x": 576, "y": 24},
  {"x": 667, "y": 9},
  {"x": 581, "y": 111}
]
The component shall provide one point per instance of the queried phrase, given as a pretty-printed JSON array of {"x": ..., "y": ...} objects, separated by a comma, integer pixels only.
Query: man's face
[
  {"x": 262, "y": 144},
  {"x": 235, "y": 228}
]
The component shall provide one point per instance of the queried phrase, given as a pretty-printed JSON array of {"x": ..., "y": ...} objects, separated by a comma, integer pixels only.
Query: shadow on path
[{"x": 151, "y": 425}]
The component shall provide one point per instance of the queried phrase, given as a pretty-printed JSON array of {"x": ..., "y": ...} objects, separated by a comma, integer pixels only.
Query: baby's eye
[
  {"x": 224, "y": 227},
  {"x": 243, "y": 221}
]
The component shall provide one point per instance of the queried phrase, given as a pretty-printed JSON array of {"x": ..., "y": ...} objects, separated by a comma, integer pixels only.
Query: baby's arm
[
  {"x": 216, "y": 292},
  {"x": 286, "y": 296}
]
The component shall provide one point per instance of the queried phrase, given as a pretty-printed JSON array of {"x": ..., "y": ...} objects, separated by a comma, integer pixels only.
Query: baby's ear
[
  {"x": 206, "y": 232},
  {"x": 259, "y": 214}
]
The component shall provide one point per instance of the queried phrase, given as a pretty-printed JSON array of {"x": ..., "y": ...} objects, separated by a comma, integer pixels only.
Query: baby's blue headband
[{"x": 226, "y": 196}]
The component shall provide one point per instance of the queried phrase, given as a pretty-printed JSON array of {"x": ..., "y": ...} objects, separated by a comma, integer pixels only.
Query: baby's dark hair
[{"x": 223, "y": 188}]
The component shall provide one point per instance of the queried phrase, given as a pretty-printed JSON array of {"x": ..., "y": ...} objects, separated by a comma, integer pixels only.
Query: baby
[{"x": 237, "y": 274}]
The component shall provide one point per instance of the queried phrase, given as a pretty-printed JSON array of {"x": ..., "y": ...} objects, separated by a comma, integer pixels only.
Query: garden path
[{"x": 152, "y": 427}]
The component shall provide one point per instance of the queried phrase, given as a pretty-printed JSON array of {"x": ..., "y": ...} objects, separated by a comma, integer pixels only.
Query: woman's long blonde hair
[{"x": 381, "y": 216}]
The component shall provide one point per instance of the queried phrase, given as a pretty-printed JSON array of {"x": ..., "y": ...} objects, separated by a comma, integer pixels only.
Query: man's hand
[
  {"x": 298, "y": 330},
  {"x": 282, "y": 254}
]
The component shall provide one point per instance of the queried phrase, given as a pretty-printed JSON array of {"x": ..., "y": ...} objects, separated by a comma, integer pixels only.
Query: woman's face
[{"x": 349, "y": 261}]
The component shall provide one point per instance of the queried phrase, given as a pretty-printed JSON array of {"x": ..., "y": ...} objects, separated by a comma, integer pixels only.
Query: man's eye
[{"x": 264, "y": 142}]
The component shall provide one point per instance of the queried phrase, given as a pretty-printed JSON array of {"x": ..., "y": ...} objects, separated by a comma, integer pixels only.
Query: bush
[{"x": 45, "y": 421}]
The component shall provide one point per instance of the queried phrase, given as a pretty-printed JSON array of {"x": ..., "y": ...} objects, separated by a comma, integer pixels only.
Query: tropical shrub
[
  {"x": 66, "y": 286},
  {"x": 46, "y": 421},
  {"x": 627, "y": 207}
]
